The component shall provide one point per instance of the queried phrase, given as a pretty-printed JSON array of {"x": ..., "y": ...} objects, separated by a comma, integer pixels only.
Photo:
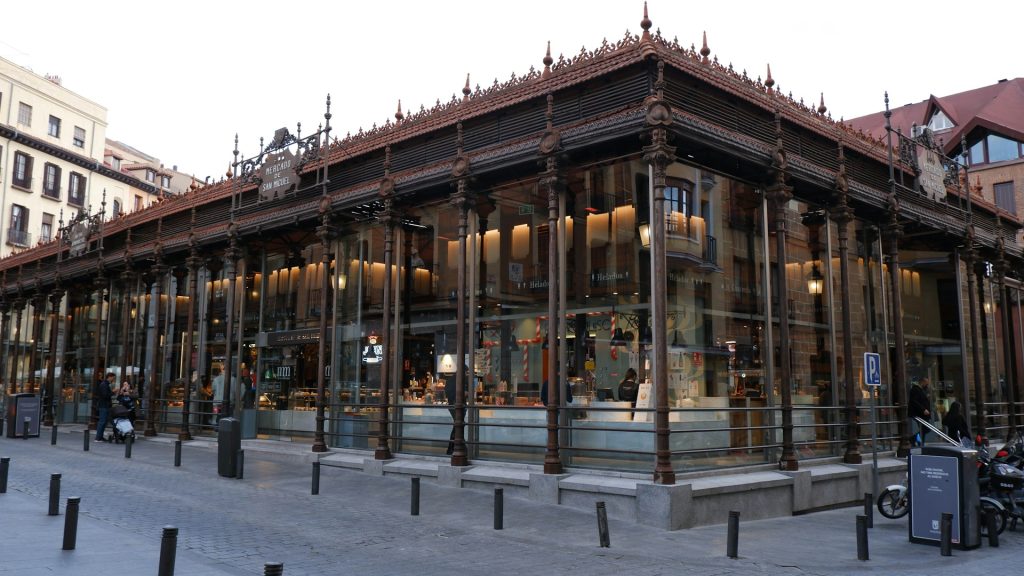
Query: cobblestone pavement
[{"x": 361, "y": 524}]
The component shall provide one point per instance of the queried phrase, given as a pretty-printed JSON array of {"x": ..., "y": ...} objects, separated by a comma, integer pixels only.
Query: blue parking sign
[{"x": 872, "y": 369}]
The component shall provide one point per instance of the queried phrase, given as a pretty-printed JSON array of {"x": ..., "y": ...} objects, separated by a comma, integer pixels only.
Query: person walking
[
  {"x": 920, "y": 406},
  {"x": 104, "y": 394},
  {"x": 955, "y": 423}
]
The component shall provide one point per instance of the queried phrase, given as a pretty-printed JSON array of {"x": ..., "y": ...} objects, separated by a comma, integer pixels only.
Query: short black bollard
[
  {"x": 71, "y": 523},
  {"x": 177, "y": 453},
  {"x": 316, "y": 478},
  {"x": 24, "y": 427},
  {"x": 240, "y": 465},
  {"x": 54, "y": 495},
  {"x": 499, "y": 508},
  {"x": 53, "y": 435},
  {"x": 85, "y": 440},
  {"x": 603, "y": 537},
  {"x": 5, "y": 465},
  {"x": 990, "y": 524},
  {"x": 946, "y": 534},
  {"x": 128, "y": 447},
  {"x": 869, "y": 509},
  {"x": 168, "y": 548},
  {"x": 414, "y": 505},
  {"x": 732, "y": 544},
  {"x": 862, "y": 537},
  {"x": 273, "y": 569}
]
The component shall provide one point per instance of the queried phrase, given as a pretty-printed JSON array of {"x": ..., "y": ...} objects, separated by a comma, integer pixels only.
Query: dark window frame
[
  {"x": 24, "y": 114},
  {"x": 17, "y": 232},
  {"x": 21, "y": 172},
  {"x": 53, "y": 128},
  {"x": 76, "y": 189},
  {"x": 51, "y": 185},
  {"x": 79, "y": 137},
  {"x": 1005, "y": 191}
]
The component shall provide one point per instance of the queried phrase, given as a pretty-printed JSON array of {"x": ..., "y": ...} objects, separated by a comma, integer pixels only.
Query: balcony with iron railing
[{"x": 20, "y": 238}]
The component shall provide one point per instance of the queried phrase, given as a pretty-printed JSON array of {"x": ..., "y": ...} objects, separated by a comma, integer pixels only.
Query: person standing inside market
[{"x": 920, "y": 406}]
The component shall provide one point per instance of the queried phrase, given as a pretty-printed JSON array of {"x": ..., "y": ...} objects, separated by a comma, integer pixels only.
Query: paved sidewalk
[{"x": 360, "y": 524}]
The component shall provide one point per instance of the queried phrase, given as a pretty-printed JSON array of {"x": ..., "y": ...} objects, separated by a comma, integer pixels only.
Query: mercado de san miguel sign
[
  {"x": 932, "y": 176},
  {"x": 278, "y": 175}
]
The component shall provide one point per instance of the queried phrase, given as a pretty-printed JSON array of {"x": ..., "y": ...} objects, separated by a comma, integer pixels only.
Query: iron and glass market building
[{"x": 413, "y": 289}]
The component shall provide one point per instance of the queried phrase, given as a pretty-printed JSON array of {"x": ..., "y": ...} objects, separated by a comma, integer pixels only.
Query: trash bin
[
  {"x": 944, "y": 478},
  {"x": 229, "y": 442},
  {"x": 22, "y": 408}
]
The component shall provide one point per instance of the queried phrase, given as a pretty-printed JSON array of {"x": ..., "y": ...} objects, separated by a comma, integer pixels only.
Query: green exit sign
[{"x": 525, "y": 209}]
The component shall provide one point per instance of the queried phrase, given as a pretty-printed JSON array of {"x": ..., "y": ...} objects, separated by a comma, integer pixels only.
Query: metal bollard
[
  {"x": 603, "y": 537},
  {"x": 946, "y": 534},
  {"x": 85, "y": 440},
  {"x": 990, "y": 524},
  {"x": 128, "y": 447},
  {"x": 316, "y": 478},
  {"x": 24, "y": 427},
  {"x": 273, "y": 569},
  {"x": 53, "y": 435},
  {"x": 869, "y": 509},
  {"x": 54, "y": 495},
  {"x": 414, "y": 505},
  {"x": 732, "y": 543},
  {"x": 240, "y": 465},
  {"x": 177, "y": 453},
  {"x": 168, "y": 548},
  {"x": 71, "y": 523},
  {"x": 499, "y": 508},
  {"x": 5, "y": 465},
  {"x": 862, "y": 537}
]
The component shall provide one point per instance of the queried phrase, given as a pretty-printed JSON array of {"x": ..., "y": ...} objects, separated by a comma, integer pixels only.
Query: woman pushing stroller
[{"x": 123, "y": 412}]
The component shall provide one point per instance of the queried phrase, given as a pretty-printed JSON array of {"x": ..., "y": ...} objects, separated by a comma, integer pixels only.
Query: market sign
[
  {"x": 932, "y": 177},
  {"x": 278, "y": 175},
  {"x": 373, "y": 351}
]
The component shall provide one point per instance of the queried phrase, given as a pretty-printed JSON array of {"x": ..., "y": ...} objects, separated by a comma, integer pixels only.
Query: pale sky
[{"x": 179, "y": 79}]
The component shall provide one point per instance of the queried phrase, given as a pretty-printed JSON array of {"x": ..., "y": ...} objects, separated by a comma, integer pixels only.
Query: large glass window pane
[{"x": 1000, "y": 148}]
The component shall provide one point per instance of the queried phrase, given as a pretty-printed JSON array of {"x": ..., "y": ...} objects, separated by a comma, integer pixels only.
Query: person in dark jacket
[
  {"x": 628, "y": 388},
  {"x": 919, "y": 405},
  {"x": 104, "y": 393},
  {"x": 544, "y": 393},
  {"x": 955, "y": 423}
]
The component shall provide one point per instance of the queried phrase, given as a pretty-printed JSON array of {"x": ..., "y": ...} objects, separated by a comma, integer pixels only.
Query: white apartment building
[{"x": 55, "y": 161}]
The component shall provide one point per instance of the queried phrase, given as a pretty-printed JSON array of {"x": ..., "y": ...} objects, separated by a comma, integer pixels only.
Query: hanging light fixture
[
  {"x": 816, "y": 283},
  {"x": 617, "y": 338},
  {"x": 513, "y": 346},
  {"x": 646, "y": 335}
]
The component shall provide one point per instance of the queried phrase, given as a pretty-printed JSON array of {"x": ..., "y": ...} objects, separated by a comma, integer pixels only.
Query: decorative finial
[
  {"x": 646, "y": 25},
  {"x": 547, "y": 62},
  {"x": 229, "y": 172},
  {"x": 398, "y": 115},
  {"x": 465, "y": 89},
  {"x": 821, "y": 106},
  {"x": 704, "y": 50},
  {"x": 769, "y": 81}
]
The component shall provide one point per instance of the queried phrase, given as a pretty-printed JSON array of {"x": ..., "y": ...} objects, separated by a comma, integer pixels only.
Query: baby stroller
[{"x": 122, "y": 417}]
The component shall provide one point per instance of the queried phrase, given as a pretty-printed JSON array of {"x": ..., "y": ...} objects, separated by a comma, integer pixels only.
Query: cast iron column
[
  {"x": 127, "y": 282},
  {"x": 893, "y": 232},
  {"x": 231, "y": 256},
  {"x": 324, "y": 232},
  {"x": 5, "y": 327},
  {"x": 842, "y": 215},
  {"x": 100, "y": 284},
  {"x": 193, "y": 262},
  {"x": 157, "y": 271},
  {"x": 49, "y": 406},
  {"x": 659, "y": 155},
  {"x": 550, "y": 182},
  {"x": 463, "y": 200},
  {"x": 970, "y": 258},
  {"x": 387, "y": 217},
  {"x": 780, "y": 194},
  {"x": 1001, "y": 268},
  {"x": 19, "y": 308},
  {"x": 38, "y": 307}
]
